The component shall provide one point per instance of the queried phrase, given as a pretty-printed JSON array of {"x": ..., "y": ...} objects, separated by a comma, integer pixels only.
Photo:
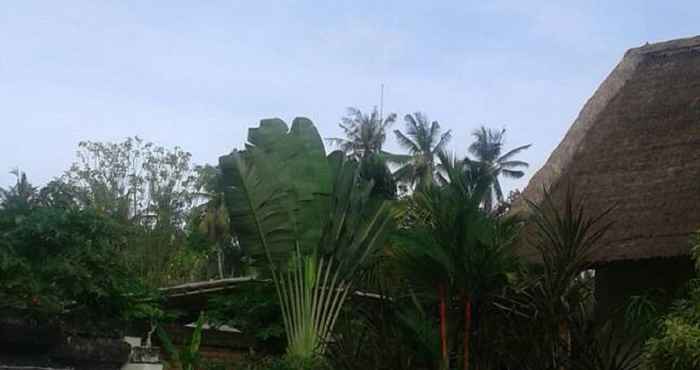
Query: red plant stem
[
  {"x": 443, "y": 326},
  {"x": 467, "y": 329}
]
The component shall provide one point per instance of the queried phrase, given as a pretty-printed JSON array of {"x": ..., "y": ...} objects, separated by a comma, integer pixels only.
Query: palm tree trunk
[
  {"x": 443, "y": 327},
  {"x": 219, "y": 260},
  {"x": 467, "y": 329}
]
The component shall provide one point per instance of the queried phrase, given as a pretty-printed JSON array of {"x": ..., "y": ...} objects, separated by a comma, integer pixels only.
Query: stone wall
[{"x": 28, "y": 344}]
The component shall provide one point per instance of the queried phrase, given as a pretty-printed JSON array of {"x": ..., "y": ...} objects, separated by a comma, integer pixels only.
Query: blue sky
[{"x": 198, "y": 73}]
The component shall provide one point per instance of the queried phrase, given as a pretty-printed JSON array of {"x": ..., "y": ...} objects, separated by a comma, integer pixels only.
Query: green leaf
[
  {"x": 278, "y": 188},
  {"x": 167, "y": 343}
]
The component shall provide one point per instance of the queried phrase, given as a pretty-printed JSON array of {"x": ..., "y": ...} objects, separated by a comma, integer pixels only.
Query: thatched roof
[{"x": 636, "y": 144}]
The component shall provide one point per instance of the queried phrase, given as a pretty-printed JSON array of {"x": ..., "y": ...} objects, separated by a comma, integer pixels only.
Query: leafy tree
[
  {"x": 148, "y": 188},
  {"x": 59, "y": 194},
  {"x": 488, "y": 149},
  {"x": 134, "y": 180},
  {"x": 55, "y": 261},
  {"x": 309, "y": 217},
  {"x": 423, "y": 141}
]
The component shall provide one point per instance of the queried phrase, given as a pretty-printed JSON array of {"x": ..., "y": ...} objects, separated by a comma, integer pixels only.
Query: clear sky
[{"x": 198, "y": 73}]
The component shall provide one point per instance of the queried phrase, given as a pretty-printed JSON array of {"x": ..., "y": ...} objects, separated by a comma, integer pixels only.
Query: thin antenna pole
[{"x": 381, "y": 104}]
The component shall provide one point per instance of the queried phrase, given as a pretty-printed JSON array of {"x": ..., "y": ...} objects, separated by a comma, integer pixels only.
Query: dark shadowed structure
[{"x": 636, "y": 145}]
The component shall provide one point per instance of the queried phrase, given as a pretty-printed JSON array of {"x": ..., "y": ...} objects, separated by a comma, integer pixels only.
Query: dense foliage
[
  {"x": 676, "y": 343},
  {"x": 56, "y": 261},
  {"x": 364, "y": 259},
  {"x": 253, "y": 310}
]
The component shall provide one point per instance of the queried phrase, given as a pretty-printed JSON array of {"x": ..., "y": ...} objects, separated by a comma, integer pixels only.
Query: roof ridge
[{"x": 665, "y": 46}]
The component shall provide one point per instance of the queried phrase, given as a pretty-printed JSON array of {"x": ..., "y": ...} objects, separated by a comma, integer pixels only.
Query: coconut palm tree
[
  {"x": 212, "y": 216},
  {"x": 365, "y": 134},
  {"x": 487, "y": 149},
  {"x": 423, "y": 141}
]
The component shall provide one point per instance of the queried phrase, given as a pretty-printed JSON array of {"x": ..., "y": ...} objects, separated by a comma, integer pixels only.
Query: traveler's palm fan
[{"x": 309, "y": 217}]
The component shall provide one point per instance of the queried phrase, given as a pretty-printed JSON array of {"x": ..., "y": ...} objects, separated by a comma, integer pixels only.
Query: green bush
[
  {"x": 56, "y": 261},
  {"x": 677, "y": 346}
]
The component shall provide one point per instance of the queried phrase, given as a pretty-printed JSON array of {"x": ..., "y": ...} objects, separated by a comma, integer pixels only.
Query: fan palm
[
  {"x": 487, "y": 149},
  {"x": 365, "y": 134},
  {"x": 309, "y": 217},
  {"x": 423, "y": 140}
]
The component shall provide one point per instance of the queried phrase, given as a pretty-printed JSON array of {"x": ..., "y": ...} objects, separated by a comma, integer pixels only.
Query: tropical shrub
[{"x": 552, "y": 300}]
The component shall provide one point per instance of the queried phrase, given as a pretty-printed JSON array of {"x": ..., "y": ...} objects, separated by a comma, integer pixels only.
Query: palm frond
[
  {"x": 407, "y": 143},
  {"x": 514, "y": 164},
  {"x": 512, "y": 152},
  {"x": 512, "y": 173},
  {"x": 444, "y": 139}
]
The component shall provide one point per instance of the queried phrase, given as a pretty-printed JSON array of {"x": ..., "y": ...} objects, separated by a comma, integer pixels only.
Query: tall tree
[
  {"x": 423, "y": 140},
  {"x": 147, "y": 187},
  {"x": 212, "y": 217},
  {"x": 365, "y": 134},
  {"x": 487, "y": 150},
  {"x": 134, "y": 181}
]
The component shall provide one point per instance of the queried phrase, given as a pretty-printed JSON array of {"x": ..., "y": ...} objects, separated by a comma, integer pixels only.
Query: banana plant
[
  {"x": 309, "y": 217},
  {"x": 188, "y": 357}
]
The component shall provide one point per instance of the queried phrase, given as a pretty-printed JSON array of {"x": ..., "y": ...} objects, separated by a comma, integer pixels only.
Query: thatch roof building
[{"x": 636, "y": 145}]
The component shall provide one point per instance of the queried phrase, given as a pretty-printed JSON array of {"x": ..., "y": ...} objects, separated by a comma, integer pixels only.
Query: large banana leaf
[
  {"x": 278, "y": 189},
  {"x": 311, "y": 216}
]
